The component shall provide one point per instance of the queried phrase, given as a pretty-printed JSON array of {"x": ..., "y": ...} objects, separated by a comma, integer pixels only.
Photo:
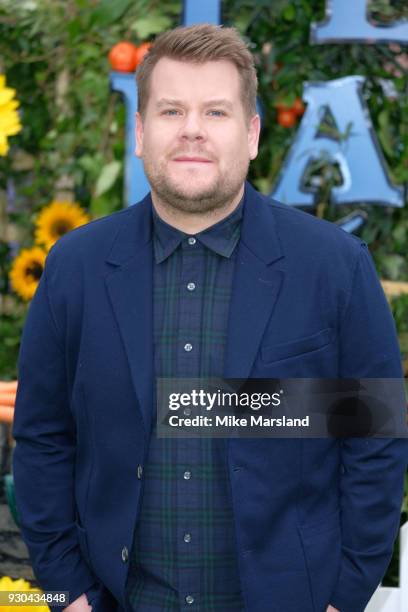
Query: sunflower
[
  {"x": 57, "y": 219},
  {"x": 8, "y": 584},
  {"x": 9, "y": 119},
  {"x": 26, "y": 271}
]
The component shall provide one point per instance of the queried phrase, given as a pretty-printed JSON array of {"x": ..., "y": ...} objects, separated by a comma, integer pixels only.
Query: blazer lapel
[
  {"x": 257, "y": 282},
  {"x": 130, "y": 291}
]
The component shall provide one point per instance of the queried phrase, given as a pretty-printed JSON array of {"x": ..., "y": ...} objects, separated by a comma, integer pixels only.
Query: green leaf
[
  {"x": 107, "y": 177},
  {"x": 263, "y": 184},
  {"x": 289, "y": 13},
  {"x": 74, "y": 29},
  {"x": 108, "y": 11},
  {"x": 403, "y": 339},
  {"x": 100, "y": 207},
  {"x": 384, "y": 133},
  {"x": 393, "y": 266},
  {"x": 241, "y": 23},
  {"x": 90, "y": 164},
  {"x": 151, "y": 24},
  {"x": 400, "y": 232},
  {"x": 347, "y": 132}
]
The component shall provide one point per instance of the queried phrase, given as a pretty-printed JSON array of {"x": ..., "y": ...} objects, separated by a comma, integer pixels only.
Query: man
[{"x": 204, "y": 277}]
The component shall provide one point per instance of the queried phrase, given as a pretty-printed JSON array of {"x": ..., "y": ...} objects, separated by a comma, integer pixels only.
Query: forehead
[{"x": 178, "y": 79}]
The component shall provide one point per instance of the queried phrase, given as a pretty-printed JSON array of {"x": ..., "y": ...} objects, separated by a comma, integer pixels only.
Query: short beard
[{"x": 217, "y": 197}]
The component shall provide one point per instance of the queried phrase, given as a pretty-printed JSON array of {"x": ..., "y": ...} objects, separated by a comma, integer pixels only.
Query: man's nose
[{"x": 192, "y": 127}]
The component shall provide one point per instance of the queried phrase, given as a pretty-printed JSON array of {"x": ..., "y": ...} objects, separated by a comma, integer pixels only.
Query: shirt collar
[{"x": 222, "y": 237}]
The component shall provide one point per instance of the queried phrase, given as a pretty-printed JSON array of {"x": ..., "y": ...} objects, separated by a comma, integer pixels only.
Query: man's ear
[
  {"x": 139, "y": 135},
  {"x": 253, "y": 135}
]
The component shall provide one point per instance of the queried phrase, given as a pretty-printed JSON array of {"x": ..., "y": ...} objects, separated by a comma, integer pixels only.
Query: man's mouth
[{"x": 193, "y": 159}]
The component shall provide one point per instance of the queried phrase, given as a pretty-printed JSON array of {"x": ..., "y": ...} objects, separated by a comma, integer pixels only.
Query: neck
[{"x": 194, "y": 222}]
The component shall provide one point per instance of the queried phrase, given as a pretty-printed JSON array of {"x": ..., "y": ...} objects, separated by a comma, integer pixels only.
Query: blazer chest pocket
[{"x": 296, "y": 348}]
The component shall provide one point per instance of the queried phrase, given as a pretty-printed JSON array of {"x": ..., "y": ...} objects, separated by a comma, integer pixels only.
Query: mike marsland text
[{"x": 234, "y": 421}]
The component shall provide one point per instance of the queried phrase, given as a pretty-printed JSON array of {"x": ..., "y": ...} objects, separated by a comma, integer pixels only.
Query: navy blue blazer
[{"x": 315, "y": 519}]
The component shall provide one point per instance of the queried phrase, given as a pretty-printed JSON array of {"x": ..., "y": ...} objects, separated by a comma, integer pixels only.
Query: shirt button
[
  {"x": 191, "y": 286},
  {"x": 125, "y": 554},
  {"x": 187, "y": 537},
  {"x": 189, "y": 599},
  {"x": 187, "y": 411},
  {"x": 139, "y": 471},
  {"x": 191, "y": 240},
  {"x": 188, "y": 347},
  {"x": 187, "y": 475}
]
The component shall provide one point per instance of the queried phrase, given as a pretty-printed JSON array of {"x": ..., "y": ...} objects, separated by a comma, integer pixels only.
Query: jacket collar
[
  {"x": 221, "y": 237},
  {"x": 259, "y": 230}
]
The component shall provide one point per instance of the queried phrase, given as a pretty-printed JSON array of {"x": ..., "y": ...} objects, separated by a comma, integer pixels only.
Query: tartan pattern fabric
[{"x": 184, "y": 552}]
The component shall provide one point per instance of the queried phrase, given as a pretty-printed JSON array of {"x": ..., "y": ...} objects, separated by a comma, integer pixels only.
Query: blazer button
[
  {"x": 140, "y": 472},
  {"x": 125, "y": 554}
]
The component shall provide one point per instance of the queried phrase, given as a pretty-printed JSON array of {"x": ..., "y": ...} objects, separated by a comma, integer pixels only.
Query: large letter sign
[
  {"x": 195, "y": 11},
  {"x": 346, "y": 21},
  {"x": 359, "y": 156},
  {"x": 136, "y": 183}
]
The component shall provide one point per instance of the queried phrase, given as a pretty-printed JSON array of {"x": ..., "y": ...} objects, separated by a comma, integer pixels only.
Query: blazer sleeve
[
  {"x": 373, "y": 469},
  {"x": 44, "y": 455}
]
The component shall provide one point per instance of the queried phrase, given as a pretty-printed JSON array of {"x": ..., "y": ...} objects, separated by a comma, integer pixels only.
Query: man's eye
[
  {"x": 218, "y": 113},
  {"x": 170, "y": 111}
]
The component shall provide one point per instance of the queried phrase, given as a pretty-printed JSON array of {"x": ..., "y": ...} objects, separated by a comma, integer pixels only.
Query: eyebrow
[{"x": 175, "y": 102}]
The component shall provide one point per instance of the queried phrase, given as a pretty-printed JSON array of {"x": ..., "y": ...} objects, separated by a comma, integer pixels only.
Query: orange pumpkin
[
  {"x": 298, "y": 107},
  {"x": 123, "y": 57},
  {"x": 141, "y": 52},
  {"x": 286, "y": 118}
]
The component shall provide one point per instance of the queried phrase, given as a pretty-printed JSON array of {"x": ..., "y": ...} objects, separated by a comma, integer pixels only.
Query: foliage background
[{"x": 54, "y": 53}]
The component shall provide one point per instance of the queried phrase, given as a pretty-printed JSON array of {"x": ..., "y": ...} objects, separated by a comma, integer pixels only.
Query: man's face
[{"x": 195, "y": 140}]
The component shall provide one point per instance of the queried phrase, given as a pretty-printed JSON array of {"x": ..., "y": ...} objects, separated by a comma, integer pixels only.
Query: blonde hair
[{"x": 201, "y": 43}]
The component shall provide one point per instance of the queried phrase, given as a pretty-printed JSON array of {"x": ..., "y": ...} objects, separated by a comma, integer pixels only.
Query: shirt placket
[{"x": 188, "y": 489}]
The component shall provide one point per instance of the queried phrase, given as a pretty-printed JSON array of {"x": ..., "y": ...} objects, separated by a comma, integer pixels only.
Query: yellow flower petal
[
  {"x": 57, "y": 219},
  {"x": 13, "y": 129},
  {"x": 9, "y": 118},
  {"x": 26, "y": 271},
  {"x": 6, "y": 95},
  {"x": 10, "y": 107},
  {"x": 4, "y": 148},
  {"x": 13, "y": 104}
]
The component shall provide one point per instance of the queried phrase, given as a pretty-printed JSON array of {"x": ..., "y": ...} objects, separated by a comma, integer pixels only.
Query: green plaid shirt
[{"x": 184, "y": 552}]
